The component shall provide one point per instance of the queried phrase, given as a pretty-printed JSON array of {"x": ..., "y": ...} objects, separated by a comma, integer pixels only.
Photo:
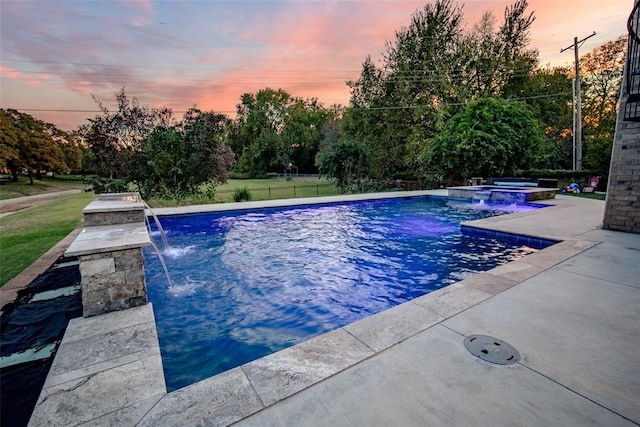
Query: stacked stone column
[{"x": 110, "y": 253}]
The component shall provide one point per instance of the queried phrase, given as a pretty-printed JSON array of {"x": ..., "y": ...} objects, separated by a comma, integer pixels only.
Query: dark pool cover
[
  {"x": 25, "y": 325},
  {"x": 21, "y": 385},
  {"x": 53, "y": 278}
]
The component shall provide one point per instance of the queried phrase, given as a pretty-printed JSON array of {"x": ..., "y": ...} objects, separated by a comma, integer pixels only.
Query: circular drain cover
[{"x": 491, "y": 349}]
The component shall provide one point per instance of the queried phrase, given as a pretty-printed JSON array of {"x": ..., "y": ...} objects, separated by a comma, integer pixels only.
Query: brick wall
[{"x": 622, "y": 209}]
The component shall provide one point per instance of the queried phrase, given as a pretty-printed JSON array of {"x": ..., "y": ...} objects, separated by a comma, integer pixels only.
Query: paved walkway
[{"x": 570, "y": 310}]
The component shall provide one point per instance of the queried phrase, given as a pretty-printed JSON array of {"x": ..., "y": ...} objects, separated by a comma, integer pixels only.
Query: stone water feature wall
[
  {"x": 110, "y": 253},
  {"x": 112, "y": 281}
]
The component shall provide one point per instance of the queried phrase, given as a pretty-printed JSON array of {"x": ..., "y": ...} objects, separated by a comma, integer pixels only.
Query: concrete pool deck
[{"x": 571, "y": 310}]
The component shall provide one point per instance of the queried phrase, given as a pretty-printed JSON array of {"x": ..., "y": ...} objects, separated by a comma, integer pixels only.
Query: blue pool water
[{"x": 250, "y": 283}]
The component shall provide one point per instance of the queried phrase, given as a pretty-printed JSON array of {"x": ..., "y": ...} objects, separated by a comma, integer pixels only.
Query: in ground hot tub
[{"x": 502, "y": 194}]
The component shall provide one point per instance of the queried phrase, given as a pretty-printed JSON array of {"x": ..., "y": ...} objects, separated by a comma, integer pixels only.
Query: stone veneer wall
[
  {"x": 501, "y": 194},
  {"x": 622, "y": 209},
  {"x": 112, "y": 281},
  {"x": 113, "y": 217}
]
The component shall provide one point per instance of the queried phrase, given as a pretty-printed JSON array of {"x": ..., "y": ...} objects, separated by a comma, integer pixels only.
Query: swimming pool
[{"x": 250, "y": 283}]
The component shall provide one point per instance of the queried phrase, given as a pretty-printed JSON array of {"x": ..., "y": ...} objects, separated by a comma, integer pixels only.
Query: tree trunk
[
  {"x": 30, "y": 177},
  {"x": 14, "y": 173}
]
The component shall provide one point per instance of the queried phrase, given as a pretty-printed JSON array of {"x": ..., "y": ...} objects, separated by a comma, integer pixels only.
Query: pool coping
[{"x": 111, "y": 381}]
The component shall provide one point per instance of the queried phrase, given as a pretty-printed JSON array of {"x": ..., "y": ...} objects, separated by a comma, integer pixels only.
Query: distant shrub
[
  {"x": 405, "y": 176},
  {"x": 242, "y": 194},
  {"x": 106, "y": 185},
  {"x": 206, "y": 190},
  {"x": 238, "y": 175},
  {"x": 251, "y": 175}
]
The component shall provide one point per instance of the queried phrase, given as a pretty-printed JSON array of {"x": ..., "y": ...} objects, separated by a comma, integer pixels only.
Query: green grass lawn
[
  {"x": 47, "y": 185},
  {"x": 265, "y": 189},
  {"x": 28, "y": 234},
  {"x": 261, "y": 189}
]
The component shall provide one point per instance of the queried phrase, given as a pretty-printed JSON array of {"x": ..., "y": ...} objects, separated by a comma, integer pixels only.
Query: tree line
[
  {"x": 442, "y": 102},
  {"x": 448, "y": 102}
]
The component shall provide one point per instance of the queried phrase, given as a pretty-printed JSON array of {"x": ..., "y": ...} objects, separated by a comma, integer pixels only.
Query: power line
[
  {"x": 408, "y": 72},
  {"x": 64, "y": 110},
  {"x": 56, "y": 110},
  {"x": 120, "y": 78},
  {"x": 524, "y": 98}
]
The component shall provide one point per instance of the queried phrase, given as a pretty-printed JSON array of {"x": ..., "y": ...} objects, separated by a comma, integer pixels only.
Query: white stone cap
[
  {"x": 107, "y": 238},
  {"x": 98, "y": 206}
]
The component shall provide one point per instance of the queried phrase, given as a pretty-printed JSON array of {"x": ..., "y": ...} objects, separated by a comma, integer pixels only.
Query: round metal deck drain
[{"x": 491, "y": 349}]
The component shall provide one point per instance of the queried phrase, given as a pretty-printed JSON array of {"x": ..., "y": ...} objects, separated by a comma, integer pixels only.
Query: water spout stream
[
  {"x": 165, "y": 242},
  {"x": 163, "y": 235},
  {"x": 162, "y": 261}
]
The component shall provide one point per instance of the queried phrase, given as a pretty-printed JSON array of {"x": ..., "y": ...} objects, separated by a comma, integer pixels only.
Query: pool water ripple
[{"x": 247, "y": 284}]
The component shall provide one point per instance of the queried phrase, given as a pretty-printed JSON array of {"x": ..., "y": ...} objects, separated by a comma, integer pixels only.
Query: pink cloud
[
  {"x": 139, "y": 21},
  {"x": 6, "y": 72},
  {"x": 306, "y": 48},
  {"x": 143, "y": 5},
  {"x": 34, "y": 79}
]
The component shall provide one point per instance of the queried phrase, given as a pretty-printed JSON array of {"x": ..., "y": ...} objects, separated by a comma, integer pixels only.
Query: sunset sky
[{"x": 55, "y": 54}]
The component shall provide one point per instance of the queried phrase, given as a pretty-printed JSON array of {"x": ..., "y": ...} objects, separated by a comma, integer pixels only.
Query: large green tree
[
  {"x": 346, "y": 163},
  {"x": 114, "y": 137},
  {"x": 173, "y": 161},
  {"x": 162, "y": 157},
  {"x": 260, "y": 119},
  {"x": 548, "y": 94},
  {"x": 274, "y": 131},
  {"x": 396, "y": 106},
  {"x": 9, "y": 148},
  {"x": 366, "y": 121},
  {"x": 71, "y": 150},
  {"x": 602, "y": 77},
  {"x": 29, "y": 144},
  {"x": 302, "y": 134},
  {"x": 491, "y": 137}
]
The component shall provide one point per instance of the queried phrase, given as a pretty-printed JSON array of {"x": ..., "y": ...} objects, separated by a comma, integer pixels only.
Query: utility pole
[
  {"x": 578, "y": 107},
  {"x": 573, "y": 128}
]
